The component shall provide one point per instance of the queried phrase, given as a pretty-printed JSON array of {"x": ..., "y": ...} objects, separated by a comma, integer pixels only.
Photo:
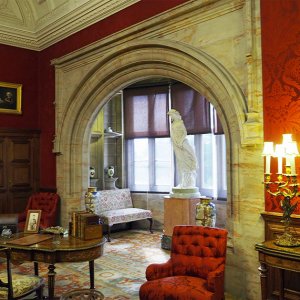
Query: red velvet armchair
[
  {"x": 45, "y": 201},
  {"x": 195, "y": 270}
]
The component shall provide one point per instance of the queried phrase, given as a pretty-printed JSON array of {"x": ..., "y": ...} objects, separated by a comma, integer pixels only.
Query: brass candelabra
[{"x": 286, "y": 187}]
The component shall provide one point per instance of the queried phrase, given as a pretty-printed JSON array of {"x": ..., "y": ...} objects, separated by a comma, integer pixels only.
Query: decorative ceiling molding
[{"x": 37, "y": 24}]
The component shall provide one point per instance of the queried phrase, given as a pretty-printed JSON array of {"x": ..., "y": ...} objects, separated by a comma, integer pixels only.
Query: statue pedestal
[
  {"x": 177, "y": 211},
  {"x": 178, "y": 192}
]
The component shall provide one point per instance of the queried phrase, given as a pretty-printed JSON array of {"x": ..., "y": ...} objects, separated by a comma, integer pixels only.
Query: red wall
[
  {"x": 281, "y": 74},
  {"x": 20, "y": 66}
]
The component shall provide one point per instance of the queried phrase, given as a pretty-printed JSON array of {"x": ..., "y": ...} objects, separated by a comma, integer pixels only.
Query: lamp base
[{"x": 287, "y": 240}]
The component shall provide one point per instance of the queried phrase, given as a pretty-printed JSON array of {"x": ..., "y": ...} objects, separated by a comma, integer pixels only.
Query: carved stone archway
[{"x": 130, "y": 63}]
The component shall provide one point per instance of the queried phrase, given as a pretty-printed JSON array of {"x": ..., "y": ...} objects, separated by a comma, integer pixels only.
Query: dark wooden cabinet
[
  {"x": 273, "y": 227},
  {"x": 19, "y": 168}
]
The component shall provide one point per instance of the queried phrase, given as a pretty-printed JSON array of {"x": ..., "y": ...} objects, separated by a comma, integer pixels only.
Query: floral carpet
[{"x": 119, "y": 273}]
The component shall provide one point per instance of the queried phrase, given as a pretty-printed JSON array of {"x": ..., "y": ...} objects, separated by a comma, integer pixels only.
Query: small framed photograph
[
  {"x": 10, "y": 98},
  {"x": 33, "y": 221}
]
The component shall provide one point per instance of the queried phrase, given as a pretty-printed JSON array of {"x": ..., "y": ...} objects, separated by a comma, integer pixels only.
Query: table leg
[
  {"x": 92, "y": 274},
  {"x": 263, "y": 272},
  {"x": 36, "y": 268},
  {"x": 51, "y": 281},
  {"x": 281, "y": 292}
]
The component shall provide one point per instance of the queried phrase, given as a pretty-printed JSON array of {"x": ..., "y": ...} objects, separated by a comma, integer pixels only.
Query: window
[
  {"x": 211, "y": 176},
  {"x": 151, "y": 165}
]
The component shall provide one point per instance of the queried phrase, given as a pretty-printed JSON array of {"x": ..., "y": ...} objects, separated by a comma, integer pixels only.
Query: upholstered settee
[
  {"x": 48, "y": 203},
  {"x": 116, "y": 206},
  {"x": 195, "y": 269}
]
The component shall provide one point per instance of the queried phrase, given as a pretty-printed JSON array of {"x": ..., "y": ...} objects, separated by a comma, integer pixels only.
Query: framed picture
[
  {"x": 10, "y": 98},
  {"x": 33, "y": 221}
]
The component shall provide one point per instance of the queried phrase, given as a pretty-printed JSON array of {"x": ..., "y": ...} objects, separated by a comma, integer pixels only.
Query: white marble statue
[{"x": 184, "y": 152}]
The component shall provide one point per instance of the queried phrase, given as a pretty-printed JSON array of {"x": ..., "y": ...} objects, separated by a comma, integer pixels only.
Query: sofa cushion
[
  {"x": 124, "y": 215},
  {"x": 113, "y": 199}
]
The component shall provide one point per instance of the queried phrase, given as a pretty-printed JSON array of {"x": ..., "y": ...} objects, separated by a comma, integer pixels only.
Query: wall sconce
[{"x": 285, "y": 188}]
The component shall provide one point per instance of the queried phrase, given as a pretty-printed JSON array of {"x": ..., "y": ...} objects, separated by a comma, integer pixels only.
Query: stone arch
[{"x": 121, "y": 67}]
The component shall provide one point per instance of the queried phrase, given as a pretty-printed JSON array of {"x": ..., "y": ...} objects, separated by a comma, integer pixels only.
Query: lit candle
[
  {"x": 292, "y": 151},
  {"x": 293, "y": 166},
  {"x": 279, "y": 164},
  {"x": 288, "y": 160},
  {"x": 268, "y": 152},
  {"x": 268, "y": 164},
  {"x": 279, "y": 153}
]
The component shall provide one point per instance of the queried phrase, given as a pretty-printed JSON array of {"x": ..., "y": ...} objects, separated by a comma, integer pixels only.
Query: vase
[
  {"x": 206, "y": 212},
  {"x": 110, "y": 171},
  {"x": 92, "y": 172},
  {"x": 91, "y": 197}
]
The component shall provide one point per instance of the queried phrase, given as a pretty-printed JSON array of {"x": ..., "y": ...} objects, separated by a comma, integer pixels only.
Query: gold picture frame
[
  {"x": 10, "y": 98},
  {"x": 33, "y": 219}
]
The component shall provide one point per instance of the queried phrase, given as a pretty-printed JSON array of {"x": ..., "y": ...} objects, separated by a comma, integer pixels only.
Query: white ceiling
[{"x": 37, "y": 24}]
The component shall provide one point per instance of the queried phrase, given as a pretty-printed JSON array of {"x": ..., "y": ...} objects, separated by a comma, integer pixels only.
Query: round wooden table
[{"x": 43, "y": 248}]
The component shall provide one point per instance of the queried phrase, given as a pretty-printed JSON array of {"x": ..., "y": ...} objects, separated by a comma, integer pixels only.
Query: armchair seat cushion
[
  {"x": 176, "y": 287},
  {"x": 124, "y": 215},
  {"x": 22, "y": 284}
]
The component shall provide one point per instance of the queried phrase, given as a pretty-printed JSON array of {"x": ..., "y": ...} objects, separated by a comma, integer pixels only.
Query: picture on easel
[{"x": 33, "y": 221}]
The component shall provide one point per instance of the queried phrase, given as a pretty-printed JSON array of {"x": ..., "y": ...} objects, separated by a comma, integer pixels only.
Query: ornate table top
[
  {"x": 65, "y": 243},
  {"x": 269, "y": 247},
  {"x": 53, "y": 249}
]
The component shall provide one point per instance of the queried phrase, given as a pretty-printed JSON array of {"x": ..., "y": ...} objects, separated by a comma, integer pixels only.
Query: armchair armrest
[
  {"x": 215, "y": 280},
  {"x": 156, "y": 271}
]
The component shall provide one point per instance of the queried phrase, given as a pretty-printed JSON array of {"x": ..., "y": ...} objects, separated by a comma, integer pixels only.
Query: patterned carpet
[{"x": 118, "y": 273}]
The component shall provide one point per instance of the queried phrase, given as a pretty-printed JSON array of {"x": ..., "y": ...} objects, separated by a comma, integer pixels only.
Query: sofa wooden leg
[
  {"x": 151, "y": 223},
  {"x": 108, "y": 232}
]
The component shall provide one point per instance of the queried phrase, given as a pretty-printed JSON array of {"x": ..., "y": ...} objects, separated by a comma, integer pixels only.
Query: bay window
[{"x": 150, "y": 161}]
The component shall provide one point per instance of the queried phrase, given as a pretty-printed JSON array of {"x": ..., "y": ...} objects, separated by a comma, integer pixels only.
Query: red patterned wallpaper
[{"x": 281, "y": 75}]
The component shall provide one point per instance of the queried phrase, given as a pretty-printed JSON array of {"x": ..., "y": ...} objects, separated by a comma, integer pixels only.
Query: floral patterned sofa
[{"x": 115, "y": 207}]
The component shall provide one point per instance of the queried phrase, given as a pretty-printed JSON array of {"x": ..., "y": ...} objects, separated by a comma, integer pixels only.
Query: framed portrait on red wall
[{"x": 10, "y": 98}]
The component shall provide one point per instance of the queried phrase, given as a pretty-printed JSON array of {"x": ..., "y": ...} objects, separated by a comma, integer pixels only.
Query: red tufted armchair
[
  {"x": 195, "y": 270},
  {"x": 48, "y": 203}
]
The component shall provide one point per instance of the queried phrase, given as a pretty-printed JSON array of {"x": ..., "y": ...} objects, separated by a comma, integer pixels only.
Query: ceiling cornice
[{"x": 21, "y": 31}]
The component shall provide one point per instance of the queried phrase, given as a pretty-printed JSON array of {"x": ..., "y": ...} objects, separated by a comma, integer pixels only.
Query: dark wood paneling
[{"x": 19, "y": 168}]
